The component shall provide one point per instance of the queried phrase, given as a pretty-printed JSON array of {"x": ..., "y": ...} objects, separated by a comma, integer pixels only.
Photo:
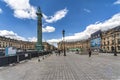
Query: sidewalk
[{"x": 70, "y": 67}]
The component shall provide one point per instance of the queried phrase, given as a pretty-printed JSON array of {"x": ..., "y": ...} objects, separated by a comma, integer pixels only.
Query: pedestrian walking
[
  {"x": 56, "y": 52},
  {"x": 89, "y": 52},
  {"x": 114, "y": 51},
  {"x": 77, "y": 52},
  {"x": 59, "y": 52}
]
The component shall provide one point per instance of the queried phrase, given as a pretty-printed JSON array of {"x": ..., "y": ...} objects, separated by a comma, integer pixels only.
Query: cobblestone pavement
[{"x": 71, "y": 67}]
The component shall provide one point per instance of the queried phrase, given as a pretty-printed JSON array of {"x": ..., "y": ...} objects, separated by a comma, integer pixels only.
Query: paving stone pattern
[{"x": 70, "y": 67}]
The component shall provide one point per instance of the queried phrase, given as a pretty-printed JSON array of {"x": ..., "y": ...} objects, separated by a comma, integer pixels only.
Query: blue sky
[{"x": 78, "y": 18}]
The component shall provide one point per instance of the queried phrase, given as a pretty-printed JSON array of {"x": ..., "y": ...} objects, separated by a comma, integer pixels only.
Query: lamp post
[{"x": 63, "y": 32}]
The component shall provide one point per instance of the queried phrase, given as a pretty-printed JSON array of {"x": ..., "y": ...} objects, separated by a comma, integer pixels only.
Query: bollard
[{"x": 18, "y": 59}]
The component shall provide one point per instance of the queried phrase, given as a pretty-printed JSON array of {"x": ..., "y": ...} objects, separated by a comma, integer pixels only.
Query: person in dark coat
[
  {"x": 59, "y": 52},
  {"x": 114, "y": 51},
  {"x": 89, "y": 52}
]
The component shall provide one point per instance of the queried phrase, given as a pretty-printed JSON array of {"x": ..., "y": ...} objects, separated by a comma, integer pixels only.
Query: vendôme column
[{"x": 39, "y": 46}]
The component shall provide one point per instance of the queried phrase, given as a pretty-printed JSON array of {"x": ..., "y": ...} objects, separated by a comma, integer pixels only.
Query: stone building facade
[
  {"x": 111, "y": 40},
  {"x": 80, "y": 45},
  {"x": 21, "y": 45},
  {"x": 103, "y": 41}
]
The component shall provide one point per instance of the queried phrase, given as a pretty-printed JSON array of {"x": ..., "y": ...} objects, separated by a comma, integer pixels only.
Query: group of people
[
  {"x": 58, "y": 52},
  {"x": 89, "y": 52}
]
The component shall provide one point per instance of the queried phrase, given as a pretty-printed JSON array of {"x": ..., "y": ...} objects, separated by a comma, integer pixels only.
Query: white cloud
[
  {"x": 114, "y": 21},
  {"x": 1, "y": 11},
  {"x": 11, "y": 34},
  {"x": 87, "y": 10},
  {"x": 108, "y": 24},
  {"x": 33, "y": 39},
  {"x": 22, "y": 8},
  {"x": 48, "y": 29},
  {"x": 117, "y": 2},
  {"x": 54, "y": 40},
  {"x": 57, "y": 16}
]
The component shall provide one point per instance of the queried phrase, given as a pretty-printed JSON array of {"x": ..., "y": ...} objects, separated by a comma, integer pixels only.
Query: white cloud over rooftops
[
  {"x": 12, "y": 35},
  {"x": 114, "y": 21}
]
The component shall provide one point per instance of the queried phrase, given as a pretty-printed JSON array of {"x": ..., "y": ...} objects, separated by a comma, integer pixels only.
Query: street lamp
[{"x": 63, "y": 32}]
